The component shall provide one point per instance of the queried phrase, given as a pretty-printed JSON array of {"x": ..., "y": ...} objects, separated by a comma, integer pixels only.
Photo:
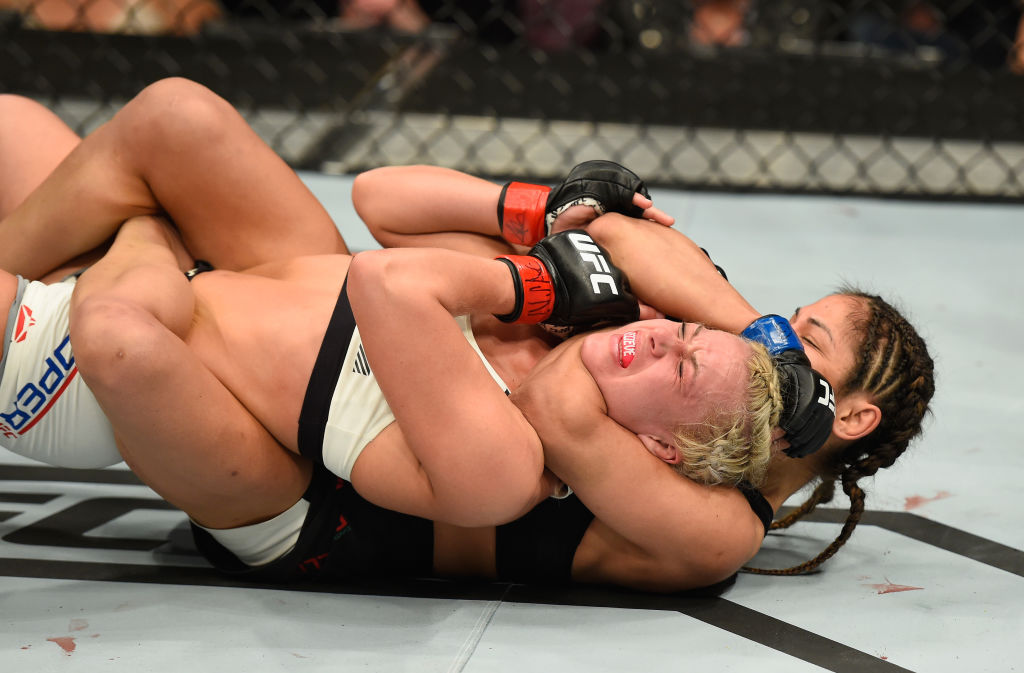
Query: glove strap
[
  {"x": 774, "y": 333},
  {"x": 535, "y": 292},
  {"x": 521, "y": 209}
]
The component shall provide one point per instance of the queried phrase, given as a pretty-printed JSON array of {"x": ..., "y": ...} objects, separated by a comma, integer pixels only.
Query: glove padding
[
  {"x": 808, "y": 405},
  {"x": 774, "y": 333},
  {"x": 526, "y": 212},
  {"x": 567, "y": 280}
]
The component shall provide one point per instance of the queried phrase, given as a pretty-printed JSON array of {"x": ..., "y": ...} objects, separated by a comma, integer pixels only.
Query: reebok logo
[{"x": 24, "y": 322}]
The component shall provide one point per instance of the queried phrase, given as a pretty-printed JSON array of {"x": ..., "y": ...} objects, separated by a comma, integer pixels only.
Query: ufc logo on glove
[
  {"x": 591, "y": 254},
  {"x": 563, "y": 281},
  {"x": 827, "y": 399}
]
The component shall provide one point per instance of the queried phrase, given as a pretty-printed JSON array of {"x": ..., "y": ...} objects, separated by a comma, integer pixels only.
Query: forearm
[
  {"x": 414, "y": 281},
  {"x": 673, "y": 522},
  {"x": 671, "y": 273},
  {"x": 417, "y": 206}
]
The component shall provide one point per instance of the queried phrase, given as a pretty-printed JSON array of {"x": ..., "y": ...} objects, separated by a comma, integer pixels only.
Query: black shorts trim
[{"x": 316, "y": 405}]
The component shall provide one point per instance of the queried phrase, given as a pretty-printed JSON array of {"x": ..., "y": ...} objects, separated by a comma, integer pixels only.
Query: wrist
[
  {"x": 521, "y": 211},
  {"x": 534, "y": 290}
]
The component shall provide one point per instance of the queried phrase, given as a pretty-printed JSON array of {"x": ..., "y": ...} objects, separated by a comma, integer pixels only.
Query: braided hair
[{"x": 893, "y": 366}]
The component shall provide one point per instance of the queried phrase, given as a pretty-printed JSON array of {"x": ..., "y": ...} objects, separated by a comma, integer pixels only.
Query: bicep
[
  {"x": 605, "y": 557},
  {"x": 668, "y": 521}
]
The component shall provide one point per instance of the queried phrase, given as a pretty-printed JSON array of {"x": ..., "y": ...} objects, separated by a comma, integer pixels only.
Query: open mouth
[{"x": 627, "y": 348}]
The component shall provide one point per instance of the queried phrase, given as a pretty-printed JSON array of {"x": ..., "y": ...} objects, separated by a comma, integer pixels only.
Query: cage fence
[{"x": 911, "y": 98}]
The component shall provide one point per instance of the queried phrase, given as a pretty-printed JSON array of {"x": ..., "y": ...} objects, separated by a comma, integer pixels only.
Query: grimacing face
[{"x": 655, "y": 375}]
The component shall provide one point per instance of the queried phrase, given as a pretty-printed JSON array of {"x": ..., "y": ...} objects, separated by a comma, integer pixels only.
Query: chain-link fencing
[{"x": 905, "y": 98}]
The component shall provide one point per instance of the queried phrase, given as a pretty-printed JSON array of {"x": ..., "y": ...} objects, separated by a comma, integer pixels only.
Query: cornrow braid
[{"x": 893, "y": 366}]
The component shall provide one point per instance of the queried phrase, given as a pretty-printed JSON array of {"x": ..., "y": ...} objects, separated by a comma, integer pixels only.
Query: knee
[
  {"x": 115, "y": 343},
  {"x": 173, "y": 111}
]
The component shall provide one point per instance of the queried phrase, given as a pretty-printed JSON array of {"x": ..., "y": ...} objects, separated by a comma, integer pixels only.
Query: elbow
[
  {"x": 510, "y": 486},
  {"x": 363, "y": 190},
  {"x": 369, "y": 279},
  {"x": 369, "y": 194}
]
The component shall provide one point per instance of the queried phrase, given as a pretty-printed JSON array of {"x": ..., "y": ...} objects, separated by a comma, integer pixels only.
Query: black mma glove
[
  {"x": 567, "y": 280},
  {"x": 809, "y": 406},
  {"x": 526, "y": 212}
]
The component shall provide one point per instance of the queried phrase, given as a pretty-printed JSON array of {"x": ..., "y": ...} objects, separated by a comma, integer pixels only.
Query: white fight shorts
[{"x": 46, "y": 411}]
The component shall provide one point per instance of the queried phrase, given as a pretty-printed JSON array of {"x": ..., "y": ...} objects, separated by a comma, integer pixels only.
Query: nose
[{"x": 674, "y": 345}]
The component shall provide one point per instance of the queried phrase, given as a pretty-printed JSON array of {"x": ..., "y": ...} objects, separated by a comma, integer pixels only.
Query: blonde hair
[{"x": 734, "y": 445}]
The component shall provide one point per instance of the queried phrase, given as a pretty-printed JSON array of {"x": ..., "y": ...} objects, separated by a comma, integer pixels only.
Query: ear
[
  {"x": 856, "y": 417},
  {"x": 661, "y": 449}
]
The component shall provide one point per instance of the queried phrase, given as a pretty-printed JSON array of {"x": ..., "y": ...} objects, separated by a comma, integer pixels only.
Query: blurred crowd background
[{"x": 897, "y": 98}]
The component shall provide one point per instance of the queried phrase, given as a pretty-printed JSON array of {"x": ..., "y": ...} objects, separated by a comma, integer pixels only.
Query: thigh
[
  {"x": 177, "y": 426},
  {"x": 235, "y": 201},
  {"x": 33, "y": 141},
  {"x": 179, "y": 149}
]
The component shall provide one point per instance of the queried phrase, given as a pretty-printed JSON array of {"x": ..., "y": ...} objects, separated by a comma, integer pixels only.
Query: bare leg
[
  {"x": 180, "y": 149},
  {"x": 33, "y": 141},
  {"x": 180, "y": 430}
]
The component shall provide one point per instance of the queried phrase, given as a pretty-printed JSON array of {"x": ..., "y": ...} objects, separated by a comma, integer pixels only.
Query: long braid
[
  {"x": 894, "y": 367},
  {"x": 823, "y": 493}
]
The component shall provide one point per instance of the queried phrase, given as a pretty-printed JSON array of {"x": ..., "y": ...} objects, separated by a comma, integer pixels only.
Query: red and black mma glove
[
  {"x": 526, "y": 212},
  {"x": 808, "y": 403},
  {"x": 567, "y": 281}
]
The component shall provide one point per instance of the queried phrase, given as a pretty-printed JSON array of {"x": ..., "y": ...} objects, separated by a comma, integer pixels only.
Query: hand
[
  {"x": 527, "y": 213},
  {"x": 567, "y": 280},
  {"x": 808, "y": 405},
  {"x": 578, "y": 217}
]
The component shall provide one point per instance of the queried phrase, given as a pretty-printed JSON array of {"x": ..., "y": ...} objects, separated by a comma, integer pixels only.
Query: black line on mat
[
  {"x": 935, "y": 534},
  {"x": 28, "y": 498},
  {"x": 724, "y": 614},
  {"x": 43, "y": 473},
  {"x": 709, "y": 608},
  {"x": 718, "y": 612}
]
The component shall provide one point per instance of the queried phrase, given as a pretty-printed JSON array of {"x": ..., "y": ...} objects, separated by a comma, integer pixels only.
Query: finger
[
  {"x": 659, "y": 216},
  {"x": 648, "y": 312},
  {"x": 650, "y": 212},
  {"x": 641, "y": 201}
]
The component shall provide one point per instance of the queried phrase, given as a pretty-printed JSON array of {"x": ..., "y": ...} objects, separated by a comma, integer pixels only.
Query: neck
[
  {"x": 788, "y": 475},
  {"x": 513, "y": 350}
]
